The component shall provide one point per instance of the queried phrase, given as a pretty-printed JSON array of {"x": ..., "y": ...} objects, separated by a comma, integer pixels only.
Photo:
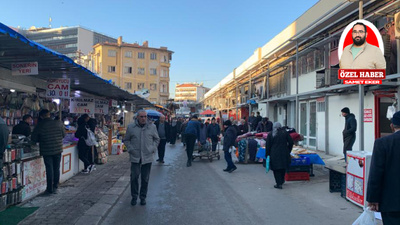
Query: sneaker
[
  {"x": 143, "y": 202},
  {"x": 91, "y": 168},
  {"x": 85, "y": 171},
  {"x": 233, "y": 169}
]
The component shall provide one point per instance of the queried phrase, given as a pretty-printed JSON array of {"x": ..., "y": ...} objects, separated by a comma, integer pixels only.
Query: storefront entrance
[{"x": 308, "y": 123}]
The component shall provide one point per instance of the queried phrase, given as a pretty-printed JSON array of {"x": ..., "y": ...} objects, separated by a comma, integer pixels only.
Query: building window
[
  {"x": 153, "y": 87},
  {"x": 140, "y": 55},
  {"x": 140, "y": 86},
  {"x": 153, "y": 71},
  {"x": 128, "y": 54},
  {"x": 164, "y": 73},
  {"x": 128, "y": 85},
  {"x": 111, "y": 69},
  {"x": 165, "y": 59},
  {"x": 140, "y": 71},
  {"x": 128, "y": 69},
  {"x": 153, "y": 56},
  {"x": 163, "y": 89},
  {"x": 320, "y": 106},
  {"x": 112, "y": 53}
]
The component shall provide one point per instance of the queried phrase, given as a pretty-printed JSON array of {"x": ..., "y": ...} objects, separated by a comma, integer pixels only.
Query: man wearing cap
[
  {"x": 384, "y": 181},
  {"x": 349, "y": 132}
]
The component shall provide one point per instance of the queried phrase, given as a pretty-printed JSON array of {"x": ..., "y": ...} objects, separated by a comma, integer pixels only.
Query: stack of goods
[
  {"x": 299, "y": 169},
  {"x": 117, "y": 147},
  {"x": 11, "y": 184},
  {"x": 297, "y": 150},
  {"x": 102, "y": 147}
]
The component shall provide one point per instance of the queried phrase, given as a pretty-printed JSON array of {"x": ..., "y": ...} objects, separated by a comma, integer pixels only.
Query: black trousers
[
  {"x": 52, "y": 164},
  {"x": 229, "y": 161},
  {"x": 190, "y": 141},
  {"x": 142, "y": 170},
  {"x": 391, "y": 218},
  {"x": 161, "y": 149},
  {"x": 279, "y": 176},
  {"x": 214, "y": 141},
  {"x": 83, "y": 152}
]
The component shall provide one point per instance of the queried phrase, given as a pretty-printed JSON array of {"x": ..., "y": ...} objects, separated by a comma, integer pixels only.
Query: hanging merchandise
[{"x": 390, "y": 112}]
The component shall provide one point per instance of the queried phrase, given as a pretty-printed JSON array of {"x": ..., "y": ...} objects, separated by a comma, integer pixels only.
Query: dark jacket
[
  {"x": 257, "y": 121},
  {"x": 81, "y": 133},
  {"x": 349, "y": 132},
  {"x": 92, "y": 123},
  {"x": 213, "y": 130},
  {"x": 167, "y": 128},
  {"x": 193, "y": 127},
  {"x": 22, "y": 128},
  {"x": 384, "y": 180},
  {"x": 267, "y": 127},
  {"x": 49, "y": 133},
  {"x": 229, "y": 138},
  {"x": 3, "y": 137},
  {"x": 279, "y": 148},
  {"x": 243, "y": 128},
  {"x": 252, "y": 121}
]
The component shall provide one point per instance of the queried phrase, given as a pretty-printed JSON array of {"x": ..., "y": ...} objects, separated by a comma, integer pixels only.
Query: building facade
[
  {"x": 293, "y": 79},
  {"x": 70, "y": 41},
  {"x": 193, "y": 92},
  {"x": 135, "y": 68}
]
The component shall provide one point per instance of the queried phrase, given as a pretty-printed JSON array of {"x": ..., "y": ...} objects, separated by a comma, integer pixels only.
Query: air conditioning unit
[{"x": 397, "y": 25}]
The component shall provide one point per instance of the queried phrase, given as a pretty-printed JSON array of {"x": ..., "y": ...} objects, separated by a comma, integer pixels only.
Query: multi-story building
[
  {"x": 70, "y": 41},
  {"x": 190, "y": 92},
  {"x": 134, "y": 67}
]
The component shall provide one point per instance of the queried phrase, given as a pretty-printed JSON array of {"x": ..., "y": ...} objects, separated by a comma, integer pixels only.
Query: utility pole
[{"x": 361, "y": 91}]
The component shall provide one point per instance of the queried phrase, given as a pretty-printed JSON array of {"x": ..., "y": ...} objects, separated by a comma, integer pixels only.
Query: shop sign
[
  {"x": 113, "y": 103},
  {"x": 24, "y": 68},
  {"x": 101, "y": 106},
  {"x": 367, "y": 115},
  {"x": 82, "y": 105},
  {"x": 58, "y": 88}
]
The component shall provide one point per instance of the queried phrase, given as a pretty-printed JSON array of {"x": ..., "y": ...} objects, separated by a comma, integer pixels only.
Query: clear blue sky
[{"x": 209, "y": 37}]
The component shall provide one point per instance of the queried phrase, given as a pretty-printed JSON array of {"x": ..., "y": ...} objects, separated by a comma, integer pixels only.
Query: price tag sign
[
  {"x": 58, "y": 88},
  {"x": 82, "y": 105},
  {"x": 101, "y": 106}
]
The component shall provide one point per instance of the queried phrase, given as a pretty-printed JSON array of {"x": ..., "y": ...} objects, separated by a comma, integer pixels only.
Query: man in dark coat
[
  {"x": 229, "y": 141},
  {"x": 50, "y": 133},
  {"x": 24, "y": 127},
  {"x": 252, "y": 121},
  {"x": 257, "y": 121},
  {"x": 264, "y": 126},
  {"x": 3, "y": 143},
  {"x": 349, "y": 132},
  {"x": 192, "y": 132},
  {"x": 213, "y": 132},
  {"x": 384, "y": 181},
  {"x": 278, "y": 146},
  {"x": 243, "y": 127},
  {"x": 163, "y": 129}
]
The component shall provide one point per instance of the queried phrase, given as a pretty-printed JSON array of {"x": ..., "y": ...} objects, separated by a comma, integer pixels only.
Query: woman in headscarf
[
  {"x": 278, "y": 146},
  {"x": 173, "y": 131}
]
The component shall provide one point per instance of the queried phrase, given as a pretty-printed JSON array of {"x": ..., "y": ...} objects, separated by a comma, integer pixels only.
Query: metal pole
[
  {"x": 267, "y": 89},
  {"x": 361, "y": 94},
  {"x": 297, "y": 88}
]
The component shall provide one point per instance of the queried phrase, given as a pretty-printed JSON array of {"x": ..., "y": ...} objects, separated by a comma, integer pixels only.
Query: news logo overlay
[{"x": 361, "y": 54}]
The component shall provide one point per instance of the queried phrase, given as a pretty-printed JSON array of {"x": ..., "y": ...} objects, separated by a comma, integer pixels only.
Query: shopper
[
  {"x": 192, "y": 133},
  {"x": 252, "y": 121},
  {"x": 213, "y": 132},
  {"x": 83, "y": 148},
  {"x": 173, "y": 131},
  {"x": 179, "y": 128},
  {"x": 278, "y": 146},
  {"x": 384, "y": 180},
  {"x": 141, "y": 140},
  {"x": 349, "y": 131},
  {"x": 121, "y": 121},
  {"x": 258, "y": 120},
  {"x": 230, "y": 135},
  {"x": 163, "y": 129},
  {"x": 203, "y": 133},
  {"x": 49, "y": 134},
  {"x": 183, "y": 130},
  {"x": 243, "y": 127},
  {"x": 3, "y": 144},
  {"x": 23, "y": 127},
  {"x": 92, "y": 123}
]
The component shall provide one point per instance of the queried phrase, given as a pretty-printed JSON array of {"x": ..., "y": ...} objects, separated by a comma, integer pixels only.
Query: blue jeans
[{"x": 228, "y": 159}]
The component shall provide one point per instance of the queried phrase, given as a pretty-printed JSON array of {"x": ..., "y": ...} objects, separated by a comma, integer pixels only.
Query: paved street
[{"x": 201, "y": 194}]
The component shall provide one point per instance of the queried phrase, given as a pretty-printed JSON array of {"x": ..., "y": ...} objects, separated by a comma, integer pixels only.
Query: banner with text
[
  {"x": 58, "y": 88},
  {"x": 24, "y": 68},
  {"x": 82, "y": 105},
  {"x": 101, "y": 106}
]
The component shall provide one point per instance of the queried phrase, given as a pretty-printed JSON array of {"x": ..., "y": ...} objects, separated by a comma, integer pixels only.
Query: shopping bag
[
  {"x": 233, "y": 154},
  {"x": 366, "y": 218},
  {"x": 267, "y": 164},
  {"x": 91, "y": 138}
]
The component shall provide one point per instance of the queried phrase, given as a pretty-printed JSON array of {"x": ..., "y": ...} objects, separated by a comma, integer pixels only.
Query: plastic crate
[
  {"x": 302, "y": 161},
  {"x": 337, "y": 181},
  {"x": 299, "y": 169},
  {"x": 295, "y": 176}
]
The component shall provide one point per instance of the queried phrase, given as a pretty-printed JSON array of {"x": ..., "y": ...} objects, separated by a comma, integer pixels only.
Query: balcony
[{"x": 165, "y": 64}]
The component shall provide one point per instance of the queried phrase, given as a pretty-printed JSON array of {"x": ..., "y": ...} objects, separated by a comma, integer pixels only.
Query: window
[
  {"x": 128, "y": 69},
  {"x": 111, "y": 69},
  {"x": 163, "y": 88},
  {"x": 140, "y": 71},
  {"x": 320, "y": 106},
  {"x": 128, "y": 54},
  {"x": 140, "y": 55},
  {"x": 153, "y": 56},
  {"x": 140, "y": 86},
  {"x": 128, "y": 85},
  {"x": 112, "y": 53},
  {"x": 165, "y": 59},
  {"x": 153, "y": 87},
  {"x": 153, "y": 71},
  {"x": 164, "y": 73}
]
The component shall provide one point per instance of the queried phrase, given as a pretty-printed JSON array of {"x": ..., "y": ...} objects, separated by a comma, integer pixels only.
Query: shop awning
[
  {"x": 15, "y": 48},
  {"x": 208, "y": 112}
]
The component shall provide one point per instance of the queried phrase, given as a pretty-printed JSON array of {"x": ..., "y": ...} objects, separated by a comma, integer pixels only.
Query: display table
[{"x": 70, "y": 163}]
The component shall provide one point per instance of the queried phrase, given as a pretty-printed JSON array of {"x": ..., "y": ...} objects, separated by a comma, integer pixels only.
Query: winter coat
[
  {"x": 49, "y": 133},
  {"x": 229, "y": 138},
  {"x": 213, "y": 130},
  {"x": 243, "y": 128},
  {"x": 167, "y": 129},
  {"x": 349, "y": 132},
  {"x": 141, "y": 142},
  {"x": 23, "y": 128},
  {"x": 81, "y": 133},
  {"x": 267, "y": 127},
  {"x": 279, "y": 148},
  {"x": 3, "y": 137},
  {"x": 252, "y": 122},
  {"x": 193, "y": 127},
  {"x": 203, "y": 134}
]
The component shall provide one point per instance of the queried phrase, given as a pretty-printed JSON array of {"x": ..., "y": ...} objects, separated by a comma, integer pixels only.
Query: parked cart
[{"x": 205, "y": 152}]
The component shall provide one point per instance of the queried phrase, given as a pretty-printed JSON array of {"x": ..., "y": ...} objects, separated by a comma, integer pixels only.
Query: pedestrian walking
[
  {"x": 83, "y": 149},
  {"x": 92, "y": 123},
  {"x": 173, "y": 131},
  {"x": 179, "y": 128},
  {"x": 183, "y": 130},
  {"x": 49, "y": 134},
  {"x": 163, "y": 129},
  {"x": 278, "y": 147},
  {"x": 243, "y": 127},
  {"x": 384, "y": 181},
  {"x": 203, "y": 133},
  {"x": 213, "y": 132},
  {"x": 141, "y": 140},
  {"x": 252, "y": 121},
  {"x": 3, "y": 144},
  {"x": 192, "y": 133},
  {"x": 349, "y": 131},
  {"x": 230, "y": 135}
]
